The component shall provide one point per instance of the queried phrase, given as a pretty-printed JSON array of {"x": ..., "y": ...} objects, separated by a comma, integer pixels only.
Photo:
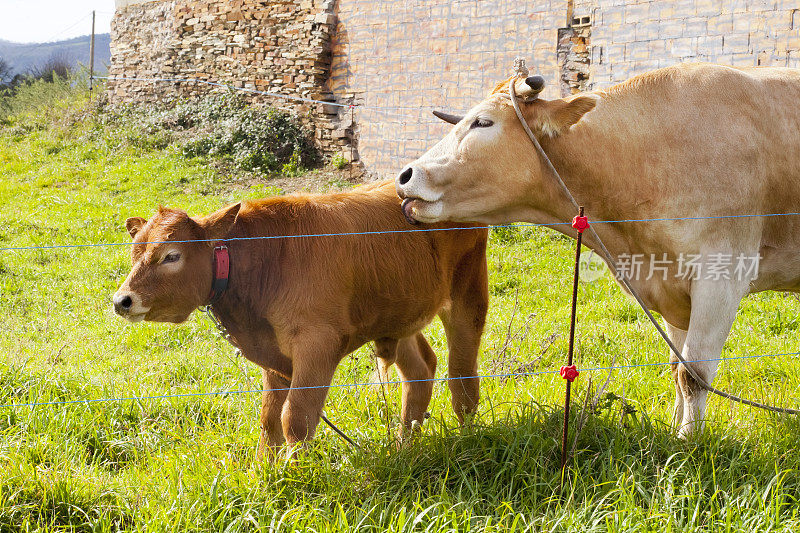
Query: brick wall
[
  {"x": 398, "y": 59},
  {"x": 415, "y": 56},
  {"x": 426, "y": 54},
  {"x": 633, "y": 36}
]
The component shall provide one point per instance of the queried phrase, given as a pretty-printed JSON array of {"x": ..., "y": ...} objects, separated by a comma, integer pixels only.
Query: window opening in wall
[{"x": 581, "y": 22}]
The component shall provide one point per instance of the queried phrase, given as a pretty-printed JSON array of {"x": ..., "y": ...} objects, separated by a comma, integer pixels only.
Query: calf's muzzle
[{"x": 122, "y": 304}]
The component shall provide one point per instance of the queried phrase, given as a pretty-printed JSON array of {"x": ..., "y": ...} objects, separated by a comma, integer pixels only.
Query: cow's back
[
  {"x": 365, "y": 269},
  {"x": 745, "y": 141},
  {"x": 700, "y": 127}
]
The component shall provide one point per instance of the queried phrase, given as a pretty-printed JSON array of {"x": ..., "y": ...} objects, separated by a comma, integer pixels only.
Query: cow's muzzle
[
  {"x": 408, "y": 211},
  {"x": 128, "y": 305},
  {"x": 122, "y": 304}
]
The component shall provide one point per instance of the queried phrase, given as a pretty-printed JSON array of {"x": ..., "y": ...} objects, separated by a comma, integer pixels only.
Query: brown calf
[{"x": 297, "y": 306}]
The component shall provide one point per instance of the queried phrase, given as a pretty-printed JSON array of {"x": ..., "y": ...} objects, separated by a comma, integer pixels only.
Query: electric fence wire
[
  {"x": 388, "y": 232},
  {"x": 375, "y": 383}
]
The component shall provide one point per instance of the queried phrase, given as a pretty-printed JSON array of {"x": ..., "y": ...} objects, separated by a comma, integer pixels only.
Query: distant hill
[{"x": 22, "y": 57}]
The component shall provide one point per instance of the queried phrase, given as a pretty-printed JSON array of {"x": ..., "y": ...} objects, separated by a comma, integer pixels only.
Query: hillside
[{"x": 23, "y": 57}]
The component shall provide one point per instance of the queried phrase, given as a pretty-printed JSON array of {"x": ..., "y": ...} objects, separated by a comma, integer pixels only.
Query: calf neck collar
[{"x": 221, "y": 271}]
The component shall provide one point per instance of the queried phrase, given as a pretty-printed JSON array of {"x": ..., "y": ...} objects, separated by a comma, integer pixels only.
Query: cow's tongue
[{"x": 407, "y": 211}]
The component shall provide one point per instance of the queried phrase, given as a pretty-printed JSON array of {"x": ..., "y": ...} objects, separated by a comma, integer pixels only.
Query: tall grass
[{"x": 43, "y": 99}]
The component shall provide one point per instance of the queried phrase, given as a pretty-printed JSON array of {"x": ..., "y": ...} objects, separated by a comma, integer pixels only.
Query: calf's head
[
  {"x": 170, "y": 277},
  {"x": 486, "y": 167}
]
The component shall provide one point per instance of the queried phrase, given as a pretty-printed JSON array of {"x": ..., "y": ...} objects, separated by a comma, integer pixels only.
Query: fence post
[
  {"x": 91, "y": 58},
  {"x": 569, "y": 372}
]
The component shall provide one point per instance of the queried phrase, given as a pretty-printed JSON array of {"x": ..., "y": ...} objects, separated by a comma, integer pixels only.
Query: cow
[
  {"x": 296, "y": 306},
  {"x": 692, "y": 140}
]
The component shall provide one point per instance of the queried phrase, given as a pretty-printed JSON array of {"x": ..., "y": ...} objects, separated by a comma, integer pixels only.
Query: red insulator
[
  {"x": 569, "y": 372},
  {"x": 580, "y": 223}
]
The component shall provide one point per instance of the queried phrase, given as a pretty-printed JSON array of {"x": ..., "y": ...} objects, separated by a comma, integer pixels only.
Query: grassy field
[{"x": 188, "y": 463}]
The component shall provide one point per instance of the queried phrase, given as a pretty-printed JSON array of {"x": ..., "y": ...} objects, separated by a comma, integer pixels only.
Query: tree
[
  {"x": 56, "y": 66},
  {"x": 6, "y": 74}
]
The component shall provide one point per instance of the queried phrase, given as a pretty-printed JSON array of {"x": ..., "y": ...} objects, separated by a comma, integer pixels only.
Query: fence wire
[
  {"x": 386, "y": 232},
  {"x": 394, "y": 382}
]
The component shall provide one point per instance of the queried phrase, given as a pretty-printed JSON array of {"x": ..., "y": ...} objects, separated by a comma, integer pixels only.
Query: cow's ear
[
  {"x": 558, "y": 116},
  {"x": 134, "y": 224},
  {"x": 217, "y": 225}
]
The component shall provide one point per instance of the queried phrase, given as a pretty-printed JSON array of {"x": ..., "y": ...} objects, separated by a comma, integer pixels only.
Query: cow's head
[
  {"x": 486, "y": 167},
  {"x": 170, "y": 278}
]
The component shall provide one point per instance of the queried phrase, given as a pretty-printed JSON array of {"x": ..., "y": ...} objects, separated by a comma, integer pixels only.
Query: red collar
[{"x": 222, "y": 268}]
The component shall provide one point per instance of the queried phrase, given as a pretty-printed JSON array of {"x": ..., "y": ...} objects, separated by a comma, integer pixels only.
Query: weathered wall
[
  {"x": 418, "y": 55},
  {"x": 276, "y": 46},
  {"x": 398, "y": 59},
  {"x": 633, "y": 36},
  {"x": 402, "y": 58}
]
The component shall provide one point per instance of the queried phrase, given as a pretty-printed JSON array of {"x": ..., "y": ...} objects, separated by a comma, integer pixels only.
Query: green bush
[
  {"x": 225, "y": 127},
  {"x": 339, "y": 161},
  {"x": 32, "y": 95},
  {"x": 220, "y": 126}
]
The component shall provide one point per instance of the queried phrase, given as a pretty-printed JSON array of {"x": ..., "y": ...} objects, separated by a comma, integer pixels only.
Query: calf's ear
[
  {"x": 558, "y": 116},
  {"x": 134, "y": 224},
  {"x": 218, "y": 224}
]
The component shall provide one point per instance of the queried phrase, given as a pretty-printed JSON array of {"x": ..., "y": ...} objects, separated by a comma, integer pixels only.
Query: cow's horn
[
  {"x": 452, "y": 119},
  {"x": 536, "y": 83}
]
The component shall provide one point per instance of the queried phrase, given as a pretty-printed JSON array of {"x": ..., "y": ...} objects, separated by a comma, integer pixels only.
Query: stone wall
[
  {"x": 278, "y": 46},
  {"x": 399, "y": 59}
]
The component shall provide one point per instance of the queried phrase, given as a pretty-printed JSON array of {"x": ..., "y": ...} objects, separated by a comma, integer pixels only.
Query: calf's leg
[
  {"x": 272, "y": 401},
  {"x": 416, "y": 363},
  {"x": 313, "y": 363},
  {"x": 714, "y": 306},
  {"x": 386, "y": 353},
  {"x": 463, "y": 325}
]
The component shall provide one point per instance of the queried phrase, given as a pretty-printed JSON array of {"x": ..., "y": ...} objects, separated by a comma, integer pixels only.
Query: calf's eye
[{"x": 171, "y": 257}]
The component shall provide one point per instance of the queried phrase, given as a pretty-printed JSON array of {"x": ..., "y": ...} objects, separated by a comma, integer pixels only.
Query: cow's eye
[
  {"x": 481, "y": 123},
  {"x": 171, "y": 257}
]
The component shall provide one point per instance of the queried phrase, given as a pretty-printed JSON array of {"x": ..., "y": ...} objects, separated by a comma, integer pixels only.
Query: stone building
[{"x": 398, "y": 59}]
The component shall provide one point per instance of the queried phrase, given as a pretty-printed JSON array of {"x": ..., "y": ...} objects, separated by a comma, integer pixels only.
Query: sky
[{"x": 34, "y": 21}]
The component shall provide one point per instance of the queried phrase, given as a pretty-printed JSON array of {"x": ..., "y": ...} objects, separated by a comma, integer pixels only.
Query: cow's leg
[
  {"x": 463, "y": 326},
  {"x": 314, "y": 361},
  {"x": 678, "y": 338},
  {"x": 416, "y": 363},
  {"x": 714, "y": 306},
  {"x": 386, "y": 353},
  {"x": 272, "y": 401}
]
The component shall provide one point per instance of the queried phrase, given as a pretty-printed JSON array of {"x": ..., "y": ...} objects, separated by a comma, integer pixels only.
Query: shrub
[
  {"x": 293, "y": 168},
  {"x": 224, "y": 126},
  {"x": 29, "y": 95},
  {"x": 220, "y": 126},
  {"x": 339, "y": 161},
  {"x": 57, "y": 66},
  {"x": 6, "y": 73}
]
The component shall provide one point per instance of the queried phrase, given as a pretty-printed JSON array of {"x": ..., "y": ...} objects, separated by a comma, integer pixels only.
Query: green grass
[{"x": 188, "y": 463}]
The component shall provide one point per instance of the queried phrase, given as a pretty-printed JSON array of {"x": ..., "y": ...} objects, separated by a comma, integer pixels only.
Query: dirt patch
[{"x": 320, "y": 180}]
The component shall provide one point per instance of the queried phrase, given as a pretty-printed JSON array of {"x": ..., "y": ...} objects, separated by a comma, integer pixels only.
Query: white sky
[{"x": 33, "y": 21}]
